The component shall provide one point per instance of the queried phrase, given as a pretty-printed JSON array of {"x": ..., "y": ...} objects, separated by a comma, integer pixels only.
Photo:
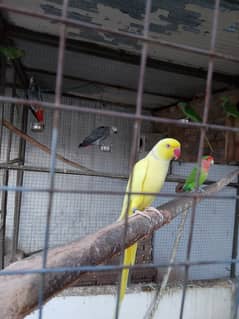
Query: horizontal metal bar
[
  {"x": 125, "y": 115},
  {"x": 63, "y": 171},
  {"x": 195, "y": 195},
  {"x": 91, "y": 26},
  {"x": 40, "y": 169},
  {"x": 10, "y": 162},
  {"x": 117, "y": 267}
]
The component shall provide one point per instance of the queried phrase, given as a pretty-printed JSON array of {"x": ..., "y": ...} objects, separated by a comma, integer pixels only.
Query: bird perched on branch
[
  {"x": 193, "y": 116},
  {"x": 148, "y": 176},
  {"x": 98, "y": 135},
  {"x": 229, "y": 108},
  {"x": 34, "y": 93},
  {"x": 190, "y": 183}
]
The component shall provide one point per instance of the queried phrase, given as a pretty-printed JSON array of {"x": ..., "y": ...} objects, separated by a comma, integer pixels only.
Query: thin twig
[
  {"x": 160, "y": 291},
  {"x": 47, "y": 150}
]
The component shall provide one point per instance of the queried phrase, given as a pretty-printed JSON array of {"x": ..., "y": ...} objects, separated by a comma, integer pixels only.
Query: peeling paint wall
[{"x": 184, "y": 21}]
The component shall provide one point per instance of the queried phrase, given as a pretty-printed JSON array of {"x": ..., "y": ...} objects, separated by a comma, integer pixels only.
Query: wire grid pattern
[
  {"x": 138, "y": 116},
  {"x": 213, "y": 228}
]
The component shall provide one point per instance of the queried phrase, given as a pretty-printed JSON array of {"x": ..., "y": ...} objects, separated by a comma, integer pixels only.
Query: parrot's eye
[{"x": 167, "y": 145}]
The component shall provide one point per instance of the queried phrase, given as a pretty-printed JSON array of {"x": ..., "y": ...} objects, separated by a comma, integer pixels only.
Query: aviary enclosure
[{"x": 87, "y": 89}]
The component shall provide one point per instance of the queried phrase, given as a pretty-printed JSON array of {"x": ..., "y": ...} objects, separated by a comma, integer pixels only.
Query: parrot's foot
[
  {"x": 150, "y": 209},
  {"x": 201, "y": 189},
  {"x": 138, "y": 212},
  {"x": 156, "y": 211}
]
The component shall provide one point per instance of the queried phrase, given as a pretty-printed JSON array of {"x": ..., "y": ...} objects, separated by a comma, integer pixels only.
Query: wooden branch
[{"x": 19, "y": 293}]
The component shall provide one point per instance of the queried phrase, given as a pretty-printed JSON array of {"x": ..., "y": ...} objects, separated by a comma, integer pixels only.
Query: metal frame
[{"x": 137, "y": 118}]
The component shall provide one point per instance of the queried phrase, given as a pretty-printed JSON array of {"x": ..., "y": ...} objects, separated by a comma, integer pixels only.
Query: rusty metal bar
[
  {"x": 136, "y": 133},
  {"x": 5, "y": 180},
  {"x": 235, "y": 236},
  {"x": 54, "y": 140},
  {"x": 118, "y": 114},
  {"x": 3, "y": 211},
  {"x": 201, "y": 143},
  {"x": 20, "y": 174}
]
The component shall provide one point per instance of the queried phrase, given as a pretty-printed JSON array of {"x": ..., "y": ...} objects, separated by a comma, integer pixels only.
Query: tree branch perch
[{"x": 19, "y": 293}]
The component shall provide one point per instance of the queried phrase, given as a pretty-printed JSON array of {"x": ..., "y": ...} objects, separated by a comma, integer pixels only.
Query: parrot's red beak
[{"x": 177, "y": 153}]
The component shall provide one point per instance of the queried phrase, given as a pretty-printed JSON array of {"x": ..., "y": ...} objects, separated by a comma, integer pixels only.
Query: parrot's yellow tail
[{"x": 129, "y": 259}]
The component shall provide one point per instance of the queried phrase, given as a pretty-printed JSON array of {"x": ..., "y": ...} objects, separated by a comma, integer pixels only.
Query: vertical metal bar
[
  {"x": 5, "y": 193},
  {"x": 2, "y": 218},
  {"x": 19, "y": 179},
  {"x": 136, "y": 131},
  {"x": 200, "y": 151},
  {"x": 2, "y": 92},
  {"x": 2, "y": 89},
  {"x": 55, "y": 124},
  {"x": 233, "y": 272},
  {"x": 235, "y": 236}
]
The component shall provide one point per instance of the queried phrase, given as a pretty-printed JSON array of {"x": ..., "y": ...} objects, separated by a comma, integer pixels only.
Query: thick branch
[{"x": 19, "y": 293}]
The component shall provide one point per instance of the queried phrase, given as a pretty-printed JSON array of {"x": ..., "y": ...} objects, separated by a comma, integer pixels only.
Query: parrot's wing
[
  {"x": 192, "y": 114},
  {"x": 101, "y": 132},
  {"x": 190, "y": 180},
  {"x": 138, "y": 177}
]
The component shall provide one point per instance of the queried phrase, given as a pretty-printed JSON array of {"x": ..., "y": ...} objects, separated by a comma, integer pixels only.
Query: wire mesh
[{"x": 48, "y": 195}]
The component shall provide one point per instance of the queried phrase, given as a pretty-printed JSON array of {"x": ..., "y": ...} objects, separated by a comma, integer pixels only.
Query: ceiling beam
[
  {"x": 116, "y": 54},
  {"x": 102, "y": 83}
]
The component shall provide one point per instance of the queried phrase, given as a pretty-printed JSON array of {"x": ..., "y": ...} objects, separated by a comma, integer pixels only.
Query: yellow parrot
[{"x": 148, "y": 176}]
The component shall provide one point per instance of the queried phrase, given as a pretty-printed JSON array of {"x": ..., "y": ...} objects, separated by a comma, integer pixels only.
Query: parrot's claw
[
  {"x": 156, "y": 211},
  {"x": 201, "y": 189},
  {"x": 149, "y": 209},
  {"x": 138, "y": 212}
]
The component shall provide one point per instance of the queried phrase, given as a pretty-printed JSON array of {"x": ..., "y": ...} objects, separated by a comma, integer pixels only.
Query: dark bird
[
  {"x": 34, "y": 93},
  {"x": 98, "y": 135}
]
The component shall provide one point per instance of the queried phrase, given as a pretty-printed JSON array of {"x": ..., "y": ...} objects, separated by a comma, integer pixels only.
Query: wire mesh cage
[{"x": 60, "y": 200}]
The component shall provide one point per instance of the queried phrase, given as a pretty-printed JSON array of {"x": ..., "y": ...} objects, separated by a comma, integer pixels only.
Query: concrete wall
[{"x": 202, "y": 301}]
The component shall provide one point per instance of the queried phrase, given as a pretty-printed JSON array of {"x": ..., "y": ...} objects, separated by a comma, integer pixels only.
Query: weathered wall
[{"x": 208, "y": 302}]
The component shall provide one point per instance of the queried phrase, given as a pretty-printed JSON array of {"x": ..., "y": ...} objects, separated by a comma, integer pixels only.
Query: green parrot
[
  {"x": 190, "y": 183},
  {"x": 229, "y": 107},
  {"x": 192, "y": 115},
  {"x": 11, "y": 53}
]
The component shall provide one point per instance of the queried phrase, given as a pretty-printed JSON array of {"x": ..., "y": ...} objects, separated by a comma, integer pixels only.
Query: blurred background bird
[
  {"x": 98, "y": 135},
  {"x": 34, "y": 93},
  {"x": 229, "y": 108},
  {"x": 190, "y": 183},
  {"x": 193, "y": 116}
]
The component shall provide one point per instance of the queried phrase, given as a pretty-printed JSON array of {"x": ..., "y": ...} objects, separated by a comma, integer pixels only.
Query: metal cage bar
[{"x": 137, "y": 118}]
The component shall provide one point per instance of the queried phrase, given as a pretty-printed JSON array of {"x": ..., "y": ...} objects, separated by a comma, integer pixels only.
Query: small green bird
[
  {"x": 229, "y": 108},
  {"x": 190, "y": 183},
  {"x": 11, "y": 53},
  {"x": 192, "y": 115}
]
